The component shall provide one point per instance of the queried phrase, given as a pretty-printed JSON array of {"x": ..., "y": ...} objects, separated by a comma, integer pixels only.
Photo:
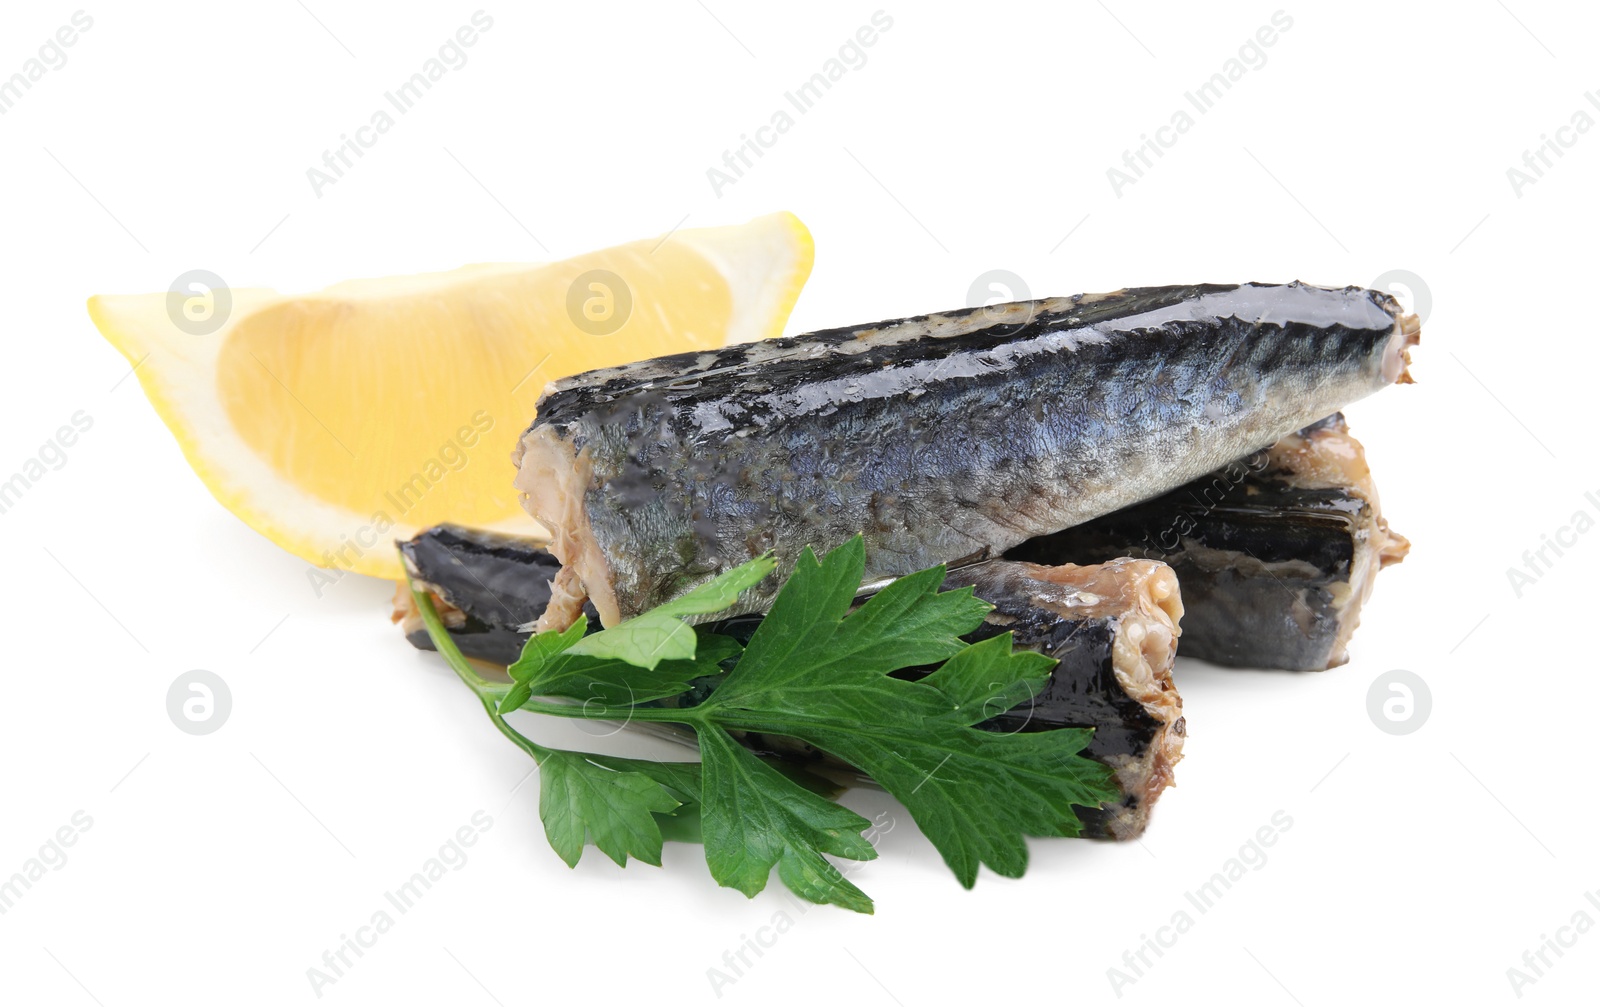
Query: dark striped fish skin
[
  {"x": 1277, "y": 553},
  {"x": 491, "y": 587},
  {"x": 944, "y": 438}
]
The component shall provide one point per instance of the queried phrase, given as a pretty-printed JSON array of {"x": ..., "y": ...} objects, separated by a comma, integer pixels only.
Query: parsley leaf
[
  {"x": 815, "y": 673},
  {"x": 977, "y": 694},
  {"x": 616, "y": 804},
  {"x": 543, "y": 648},
  {"x": 754, "y": 818},
  {"x": 661, "y": 634},
  {"x": 581, "y": 801},
  {"x": 817, "y": 669},
  {"x": 558, "y": 667}
]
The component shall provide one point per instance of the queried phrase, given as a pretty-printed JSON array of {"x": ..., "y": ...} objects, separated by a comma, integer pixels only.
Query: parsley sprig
[{"x": 817, "y": 668}]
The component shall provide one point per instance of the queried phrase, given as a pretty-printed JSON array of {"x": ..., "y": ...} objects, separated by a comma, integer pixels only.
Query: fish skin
[
  {"x": 1277, "y": 553},
  {"x": 944, "y": 438},
  {"x": 498, "y": 583}
]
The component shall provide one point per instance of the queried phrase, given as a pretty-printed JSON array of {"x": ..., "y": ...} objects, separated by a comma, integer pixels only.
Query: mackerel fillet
[{"x": 945, "y": 438}]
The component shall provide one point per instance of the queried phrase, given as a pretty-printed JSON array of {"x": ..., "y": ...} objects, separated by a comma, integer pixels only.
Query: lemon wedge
[{"x": 336, "y": 422}]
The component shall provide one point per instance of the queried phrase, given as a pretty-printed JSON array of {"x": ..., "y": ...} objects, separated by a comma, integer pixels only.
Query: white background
[{"x": 1377, "y": 136}]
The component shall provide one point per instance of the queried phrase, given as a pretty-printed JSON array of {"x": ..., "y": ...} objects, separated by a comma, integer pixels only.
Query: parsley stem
[
  {"x": 588, "y": 711},
  {"x": 450, "y": 652},
  {"x": 522, "y": 741},
  {"x": 488, "y": 693}
]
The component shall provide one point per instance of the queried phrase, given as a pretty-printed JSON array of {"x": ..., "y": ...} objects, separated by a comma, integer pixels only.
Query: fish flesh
[
  {"x": 945, "y": 438},
  {"x": 1112, "y": 628},
  {"x": 1277, "y": 553}
]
